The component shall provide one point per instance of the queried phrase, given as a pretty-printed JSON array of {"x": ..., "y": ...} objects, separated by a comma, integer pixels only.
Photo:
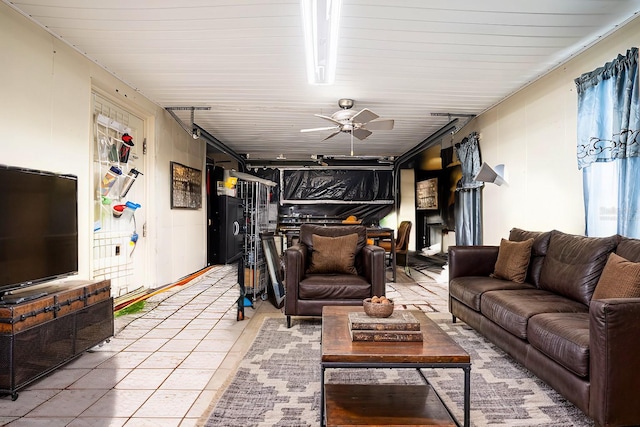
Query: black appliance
[
  {"x": 227, "y": 230},
  {"x": 38, "y": 227}
]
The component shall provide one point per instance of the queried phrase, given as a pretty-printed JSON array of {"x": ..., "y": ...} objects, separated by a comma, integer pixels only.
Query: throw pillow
[
  {"x": 333, "y": 254},
  {"x": 513, "y": 260},
  {"x": 538, "y": 250},
  {"x": 619, "y": 279}
]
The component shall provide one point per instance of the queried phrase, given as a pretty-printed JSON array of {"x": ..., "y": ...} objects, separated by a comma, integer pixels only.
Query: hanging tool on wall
[
  {"x": 133, "y": 241},
  {"x": 130, "y": 210},
  {"x": 125, "y": 148},
  {"x": 129, "y": 179}
]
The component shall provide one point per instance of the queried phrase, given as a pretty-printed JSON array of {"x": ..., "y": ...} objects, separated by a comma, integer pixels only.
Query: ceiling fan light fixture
[
  {"x": 352, "y": 122},
  {"x": 321, "y": 21},
  {"x": 345, "y": 103}
]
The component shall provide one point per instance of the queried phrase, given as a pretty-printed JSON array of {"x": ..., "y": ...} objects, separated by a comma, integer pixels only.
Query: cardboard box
[{"x": 249, "y": 278}]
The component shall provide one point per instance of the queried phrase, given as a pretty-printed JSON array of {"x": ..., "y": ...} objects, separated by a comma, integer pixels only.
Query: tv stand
[{"x": 45, "y": 327}]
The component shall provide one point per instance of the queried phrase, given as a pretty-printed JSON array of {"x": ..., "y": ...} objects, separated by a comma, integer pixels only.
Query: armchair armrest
[
  {"x": 295, "y": 266},
  {"x": 614, "y": 328},
  {"x": 472, "y": 260},
  {"x": 373, "y": 259}
]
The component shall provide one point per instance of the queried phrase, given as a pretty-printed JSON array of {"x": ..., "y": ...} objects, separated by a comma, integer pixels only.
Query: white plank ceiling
[{"x": 402, "y": 59}]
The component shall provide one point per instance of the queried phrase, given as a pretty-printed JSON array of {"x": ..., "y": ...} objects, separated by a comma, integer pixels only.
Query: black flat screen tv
[{"x": 38, "y": 227}]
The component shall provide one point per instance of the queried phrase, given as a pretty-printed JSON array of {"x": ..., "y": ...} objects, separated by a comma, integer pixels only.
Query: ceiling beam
[{"x": 221, "y": 147}]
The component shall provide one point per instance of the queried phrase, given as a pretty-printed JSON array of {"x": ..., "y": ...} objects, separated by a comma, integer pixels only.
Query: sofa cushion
[
  {"x": 512, "y": 309},
  {"x": 538, "y": 250},
  {"x": 333, "y": 254},
  {"x": 629, "y": 248},
  {"x": 334, "y": 286},
  {"x": 574, "y": 263},
  {"x": 513, "y": 260},
  {"x": 619, "y": 279},
  {"x": 564, "y": 337},
  {"x": 469, "y": 289}
]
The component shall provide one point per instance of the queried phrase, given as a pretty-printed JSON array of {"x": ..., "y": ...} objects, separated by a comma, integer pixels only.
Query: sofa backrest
[
  {"x": 573, "y": 264},
  {"x": 308, "y": 230},
  {"x": 629, "y": 249},
  {"x": 538, "y": 250}
]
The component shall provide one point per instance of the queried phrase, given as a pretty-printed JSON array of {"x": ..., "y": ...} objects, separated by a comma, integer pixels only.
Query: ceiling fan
[{"x": 358, "y": 124}]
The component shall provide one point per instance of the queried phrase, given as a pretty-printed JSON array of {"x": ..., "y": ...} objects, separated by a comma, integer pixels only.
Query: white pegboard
[
  {"x": 112, "y": 259},
  {"x": 113, "y": 252}
]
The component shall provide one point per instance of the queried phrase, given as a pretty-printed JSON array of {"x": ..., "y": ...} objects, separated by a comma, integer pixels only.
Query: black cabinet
[{"x": 227, "y": 230}]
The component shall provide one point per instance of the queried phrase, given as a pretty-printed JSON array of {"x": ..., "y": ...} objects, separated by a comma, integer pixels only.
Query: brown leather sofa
[
  {"x": 587, "y": 349},
  {"x": 308, "y": 289}
]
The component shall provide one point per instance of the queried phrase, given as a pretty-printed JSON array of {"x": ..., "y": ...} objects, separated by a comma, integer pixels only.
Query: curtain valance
[{"x": 609, "y": 117}]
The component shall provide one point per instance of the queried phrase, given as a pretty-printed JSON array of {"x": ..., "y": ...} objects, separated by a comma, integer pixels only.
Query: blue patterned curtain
[
  {"x": 468, "y": 203},
  {"x": 609, "y": 146}
]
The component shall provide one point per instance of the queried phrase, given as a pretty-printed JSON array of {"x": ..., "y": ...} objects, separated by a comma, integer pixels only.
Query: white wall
[
  {"x": 182, "y": 234},
  {"x": 407, "y": 211},
  {"x": 534, "y": 134},
  {"x": 45, "y": 123}
]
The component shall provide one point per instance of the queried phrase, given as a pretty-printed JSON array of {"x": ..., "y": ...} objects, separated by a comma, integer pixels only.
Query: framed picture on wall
[
  {"x": 186, "y": 187},
  {"x": 427, "y": 194}
]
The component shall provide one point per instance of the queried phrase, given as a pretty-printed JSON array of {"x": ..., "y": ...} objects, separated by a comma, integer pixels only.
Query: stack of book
[{"x": 400, "y": 326}]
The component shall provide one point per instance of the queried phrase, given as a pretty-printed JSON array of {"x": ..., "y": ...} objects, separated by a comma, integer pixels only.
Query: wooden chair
[{"x": 402, "y": 245}]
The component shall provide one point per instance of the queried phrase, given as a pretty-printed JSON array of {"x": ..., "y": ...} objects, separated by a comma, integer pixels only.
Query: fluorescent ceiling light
[{"x": 321, "y": 20}]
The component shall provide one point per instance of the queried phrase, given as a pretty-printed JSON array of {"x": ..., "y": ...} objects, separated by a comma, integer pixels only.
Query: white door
[{"x": 119, "y": 249}]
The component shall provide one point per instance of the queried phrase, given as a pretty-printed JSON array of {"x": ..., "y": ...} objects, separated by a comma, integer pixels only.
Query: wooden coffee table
[{"x": 377, "y": 404}]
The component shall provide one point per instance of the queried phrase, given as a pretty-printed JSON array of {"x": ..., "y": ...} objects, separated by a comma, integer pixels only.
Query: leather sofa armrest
[
  {"x": 614, "y": 328},
  {"x": 472, "y": 260},
  {"x": 373, "y": 259},
  {"x": 295, "y": 258},
  {"x": 295, "y": 266}
]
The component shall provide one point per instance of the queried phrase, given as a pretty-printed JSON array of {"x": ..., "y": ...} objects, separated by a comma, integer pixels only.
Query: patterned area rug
[
  {"x": 427, "y": 263},
  {"x": 278, "y": 383}
]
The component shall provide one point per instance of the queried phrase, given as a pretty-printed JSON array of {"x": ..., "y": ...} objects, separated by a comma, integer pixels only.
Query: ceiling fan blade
[
  {"x": 364, "y": 116},
  {"x": 361, "y": 133},
  {"x": 380, "y": 124},
  {"x": 317, "y": 129},
  {"x": 332, "y": 135},
  {"x": 331, "y": 119}
]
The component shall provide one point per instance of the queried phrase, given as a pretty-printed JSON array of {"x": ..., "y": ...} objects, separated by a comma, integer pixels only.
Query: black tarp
[
  {"x": 358, "y": 188},
  {"x": 337, "y": 185}
]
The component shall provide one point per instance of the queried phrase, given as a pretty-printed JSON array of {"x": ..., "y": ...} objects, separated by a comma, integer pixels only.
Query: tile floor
[{"x": 167, "y": 364}]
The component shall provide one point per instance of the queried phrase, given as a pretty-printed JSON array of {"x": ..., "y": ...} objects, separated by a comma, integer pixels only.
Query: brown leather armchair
[{"x": 309, "y": 286}]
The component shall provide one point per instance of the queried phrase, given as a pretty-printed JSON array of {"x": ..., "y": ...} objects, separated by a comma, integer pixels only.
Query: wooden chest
[
  {"x": 98, "y": 291},
  {"x": 70, "y": 300},
  {"x": 48, "y": 325},
  {"x": 60, "y": 299},
  {"x": 15, "y": 318}
]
